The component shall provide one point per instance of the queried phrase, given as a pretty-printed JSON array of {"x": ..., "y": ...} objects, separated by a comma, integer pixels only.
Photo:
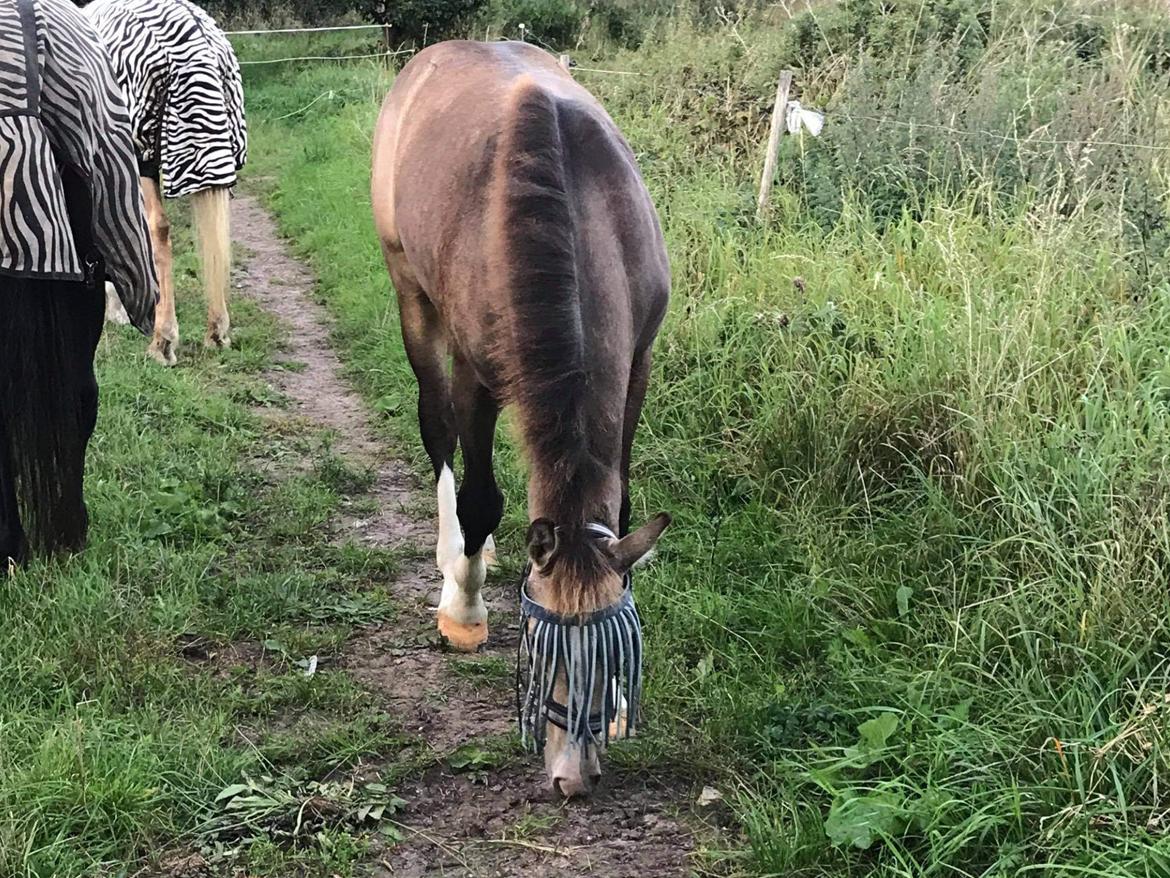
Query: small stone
[{"x": 709, "y": 797}]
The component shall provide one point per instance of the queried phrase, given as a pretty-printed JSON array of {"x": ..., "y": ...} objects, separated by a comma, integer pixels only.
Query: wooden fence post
[
  {"x": 564, "y": 61},
  {"x": 779, "y": 112}
]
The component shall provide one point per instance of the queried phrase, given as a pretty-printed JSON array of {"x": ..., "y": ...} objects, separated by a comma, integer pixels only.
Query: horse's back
[
  {"x": 494, "y": 170},
  {"x": 450, "y": 102},
  {"x": 457, "y": 111}
]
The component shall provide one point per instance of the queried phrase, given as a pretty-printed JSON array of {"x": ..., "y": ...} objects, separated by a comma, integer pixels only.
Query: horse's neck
[{"x": 591, "y": 493}]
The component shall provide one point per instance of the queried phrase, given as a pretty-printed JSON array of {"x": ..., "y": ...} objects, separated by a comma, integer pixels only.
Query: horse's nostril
[{"x": 571, "y": 787}]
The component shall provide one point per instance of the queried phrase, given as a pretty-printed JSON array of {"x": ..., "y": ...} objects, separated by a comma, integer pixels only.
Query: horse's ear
[
  {"x": 542, "y": 543},
  {"x": 636, "y": 547}
]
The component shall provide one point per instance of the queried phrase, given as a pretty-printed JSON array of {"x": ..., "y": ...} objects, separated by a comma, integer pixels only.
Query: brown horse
[{"x": 525, "y": 250}]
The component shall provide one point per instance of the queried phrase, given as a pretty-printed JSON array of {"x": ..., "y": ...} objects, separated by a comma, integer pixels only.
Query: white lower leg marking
[
  {"x": 463, "y": 577},
  {"x": 450, "y": 536}
]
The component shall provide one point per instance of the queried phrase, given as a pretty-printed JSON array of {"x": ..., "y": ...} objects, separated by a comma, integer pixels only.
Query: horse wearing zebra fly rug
[
  {"x": 182, "y": 83},
  {"x": 525, "y": 250},
  {"x": 70, "y": 214}
]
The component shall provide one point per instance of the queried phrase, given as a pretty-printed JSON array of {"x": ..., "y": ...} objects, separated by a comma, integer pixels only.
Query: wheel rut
[{"x": 491, "y": 821}]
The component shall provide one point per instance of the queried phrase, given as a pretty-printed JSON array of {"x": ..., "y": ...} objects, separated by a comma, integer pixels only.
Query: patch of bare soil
[{"x": 497, "y": 821}]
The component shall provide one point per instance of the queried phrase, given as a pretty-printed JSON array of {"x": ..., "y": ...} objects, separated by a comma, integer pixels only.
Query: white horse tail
[{"x": 212, "y": 209}]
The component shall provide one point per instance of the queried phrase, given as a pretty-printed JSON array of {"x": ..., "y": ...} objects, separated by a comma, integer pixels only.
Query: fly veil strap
[{"x": 603, "y": 647}]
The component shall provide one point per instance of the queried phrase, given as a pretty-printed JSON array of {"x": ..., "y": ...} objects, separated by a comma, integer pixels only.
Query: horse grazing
[
  {"x": 70, "y": 212},
  {"x": 182, "y": 82},
  {"x": 524, "y": 248}
]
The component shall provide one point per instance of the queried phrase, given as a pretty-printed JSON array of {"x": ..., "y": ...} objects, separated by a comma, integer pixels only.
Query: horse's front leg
[
  {"x": 479, "y": 506},
  {"x": 462, "y": 616},
  {"x": 635, "y": 397}
]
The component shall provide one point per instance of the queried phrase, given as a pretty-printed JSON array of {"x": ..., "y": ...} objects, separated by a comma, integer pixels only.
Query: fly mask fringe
[{"x": 604, "y": 650}]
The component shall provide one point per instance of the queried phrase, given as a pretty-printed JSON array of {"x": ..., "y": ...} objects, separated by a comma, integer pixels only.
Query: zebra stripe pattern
[
  {"x": 62, "y": 118},
  {"x": 182, "y": 83}
]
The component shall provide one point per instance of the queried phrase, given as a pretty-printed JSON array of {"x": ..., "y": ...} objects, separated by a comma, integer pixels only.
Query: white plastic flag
[{"x": 810, "y": 119}]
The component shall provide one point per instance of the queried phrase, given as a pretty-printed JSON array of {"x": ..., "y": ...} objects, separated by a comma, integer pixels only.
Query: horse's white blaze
[{"x": 463, "y": 577}]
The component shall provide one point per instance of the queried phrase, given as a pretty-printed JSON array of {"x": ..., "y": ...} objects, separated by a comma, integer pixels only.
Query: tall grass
[{"x": 914, "y": 427}]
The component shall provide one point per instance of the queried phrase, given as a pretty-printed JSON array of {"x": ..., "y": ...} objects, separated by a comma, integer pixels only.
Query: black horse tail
[{"x": 48, "y": 406}]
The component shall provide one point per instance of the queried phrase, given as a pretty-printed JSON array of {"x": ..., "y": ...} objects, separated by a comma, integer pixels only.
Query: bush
[
  {"x": 309, "y": 12},
  {"x": 555, "y": 23},
  {"x": 421, "y": 21}
]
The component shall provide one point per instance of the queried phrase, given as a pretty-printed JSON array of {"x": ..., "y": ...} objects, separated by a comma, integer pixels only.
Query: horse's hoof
[
  {"x": 162, "y": 352},
  {"x": 214, "y": 340},
  {"x": 461, "y": 636}
]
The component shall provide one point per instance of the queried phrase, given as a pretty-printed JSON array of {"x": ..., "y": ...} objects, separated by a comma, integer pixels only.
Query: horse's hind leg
[
  {"x": 87, "y": 320},
  {"x": 12, "y": 539},
  {"x": 165, "y": 343}
]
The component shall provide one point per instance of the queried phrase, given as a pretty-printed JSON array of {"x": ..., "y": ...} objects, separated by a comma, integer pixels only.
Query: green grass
[
  {"x": 123, "y": 708},
  {"x": 912, "y": 615}
]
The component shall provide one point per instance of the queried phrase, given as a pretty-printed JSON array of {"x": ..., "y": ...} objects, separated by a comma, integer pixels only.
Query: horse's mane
[{"x": 543, "y": 361}]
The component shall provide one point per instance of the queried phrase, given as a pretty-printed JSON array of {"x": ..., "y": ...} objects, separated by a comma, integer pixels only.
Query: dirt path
[{"x": 496, "y": 822}]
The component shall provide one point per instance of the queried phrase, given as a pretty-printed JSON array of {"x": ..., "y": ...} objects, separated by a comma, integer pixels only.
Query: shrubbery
[
  {"x": 939, "y": 98},
  {"x": 421, "y": 21},
  {"x": 559, "y": 24},
  {"x": 278, "y": 11}
]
